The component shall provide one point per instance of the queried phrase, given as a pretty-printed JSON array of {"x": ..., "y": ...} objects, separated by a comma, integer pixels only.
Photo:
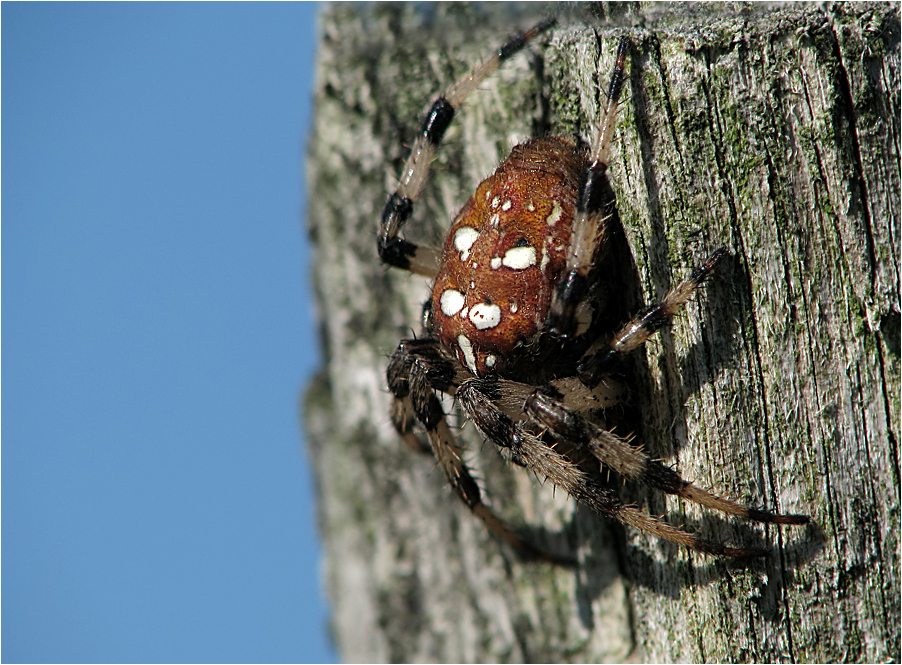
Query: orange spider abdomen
[{"x": 505, "y": 253}]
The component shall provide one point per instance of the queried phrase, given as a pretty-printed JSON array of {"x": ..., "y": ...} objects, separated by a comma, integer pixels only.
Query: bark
[{"x": 773, "y": 131}]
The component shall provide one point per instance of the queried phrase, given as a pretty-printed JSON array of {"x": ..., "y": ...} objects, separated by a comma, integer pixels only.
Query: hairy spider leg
[
  {"x": 631, "y": 462},
  {"x": 652, "y": 319},
  {"x": 420, "y": 367},
  {"x": 647, "y": 322},
  {"x": 393, "y": 249},
  {"x": 413, "y": 379},
  {"x": 496, "y": 405},
  {"x": 445, "y": 372},
  {"x": 585, "y": 487},
  {"x": 592, "y": 211}
]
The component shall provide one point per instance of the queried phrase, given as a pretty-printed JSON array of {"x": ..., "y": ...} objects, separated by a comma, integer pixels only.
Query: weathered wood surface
[{"x": 773, "y": 132}]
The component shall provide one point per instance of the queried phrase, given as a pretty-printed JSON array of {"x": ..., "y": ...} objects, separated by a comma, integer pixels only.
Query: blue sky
[{"x": 156, "y": 500}]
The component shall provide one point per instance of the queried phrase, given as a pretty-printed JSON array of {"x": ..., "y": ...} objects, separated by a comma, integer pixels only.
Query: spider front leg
[
  {"x": 443, "y": 372},
  {"x": 633, "y": 463},
  {"x": 393, "y": 249},
  {"x": 547, "y": 462},
  {"x": 418, "y": 369}
]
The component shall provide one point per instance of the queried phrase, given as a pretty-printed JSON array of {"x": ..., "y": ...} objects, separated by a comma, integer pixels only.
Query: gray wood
[{"x": 771, "y": 131}]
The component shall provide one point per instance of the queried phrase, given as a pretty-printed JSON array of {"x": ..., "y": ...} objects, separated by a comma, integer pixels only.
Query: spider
[{"x": 515, "y": 328}]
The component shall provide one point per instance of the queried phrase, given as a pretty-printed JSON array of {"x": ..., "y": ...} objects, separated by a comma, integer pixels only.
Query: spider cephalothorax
[{"x": 517, "y": 329}]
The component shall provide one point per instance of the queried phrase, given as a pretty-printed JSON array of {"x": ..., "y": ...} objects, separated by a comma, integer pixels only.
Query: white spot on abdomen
[
  {"x": 451, "y": 302},
  {"x": 519, "y": 258},
  {"x": 464, "y": 238},
  {"x": 555, "y": 215},
  {"x": 483, "y": 315},
  {"x": 467, "y": 349},
  {"x": 495, "y": 263}
]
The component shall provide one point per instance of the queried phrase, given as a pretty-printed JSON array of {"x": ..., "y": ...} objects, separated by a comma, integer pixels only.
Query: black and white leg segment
[
  {"x": 584, "y": 486},
  {"x": 591, "y": 209},
  {"x": 649, "y": 321},
  {"x": 401, "y": 253},
  {"x": 591, "y": 201},
  {"x": 393, "y": 249},
  {"x": 631, "y": 462}
]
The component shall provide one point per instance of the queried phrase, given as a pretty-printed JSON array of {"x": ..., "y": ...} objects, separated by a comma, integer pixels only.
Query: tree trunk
[{"x": 772, "y": 132}]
